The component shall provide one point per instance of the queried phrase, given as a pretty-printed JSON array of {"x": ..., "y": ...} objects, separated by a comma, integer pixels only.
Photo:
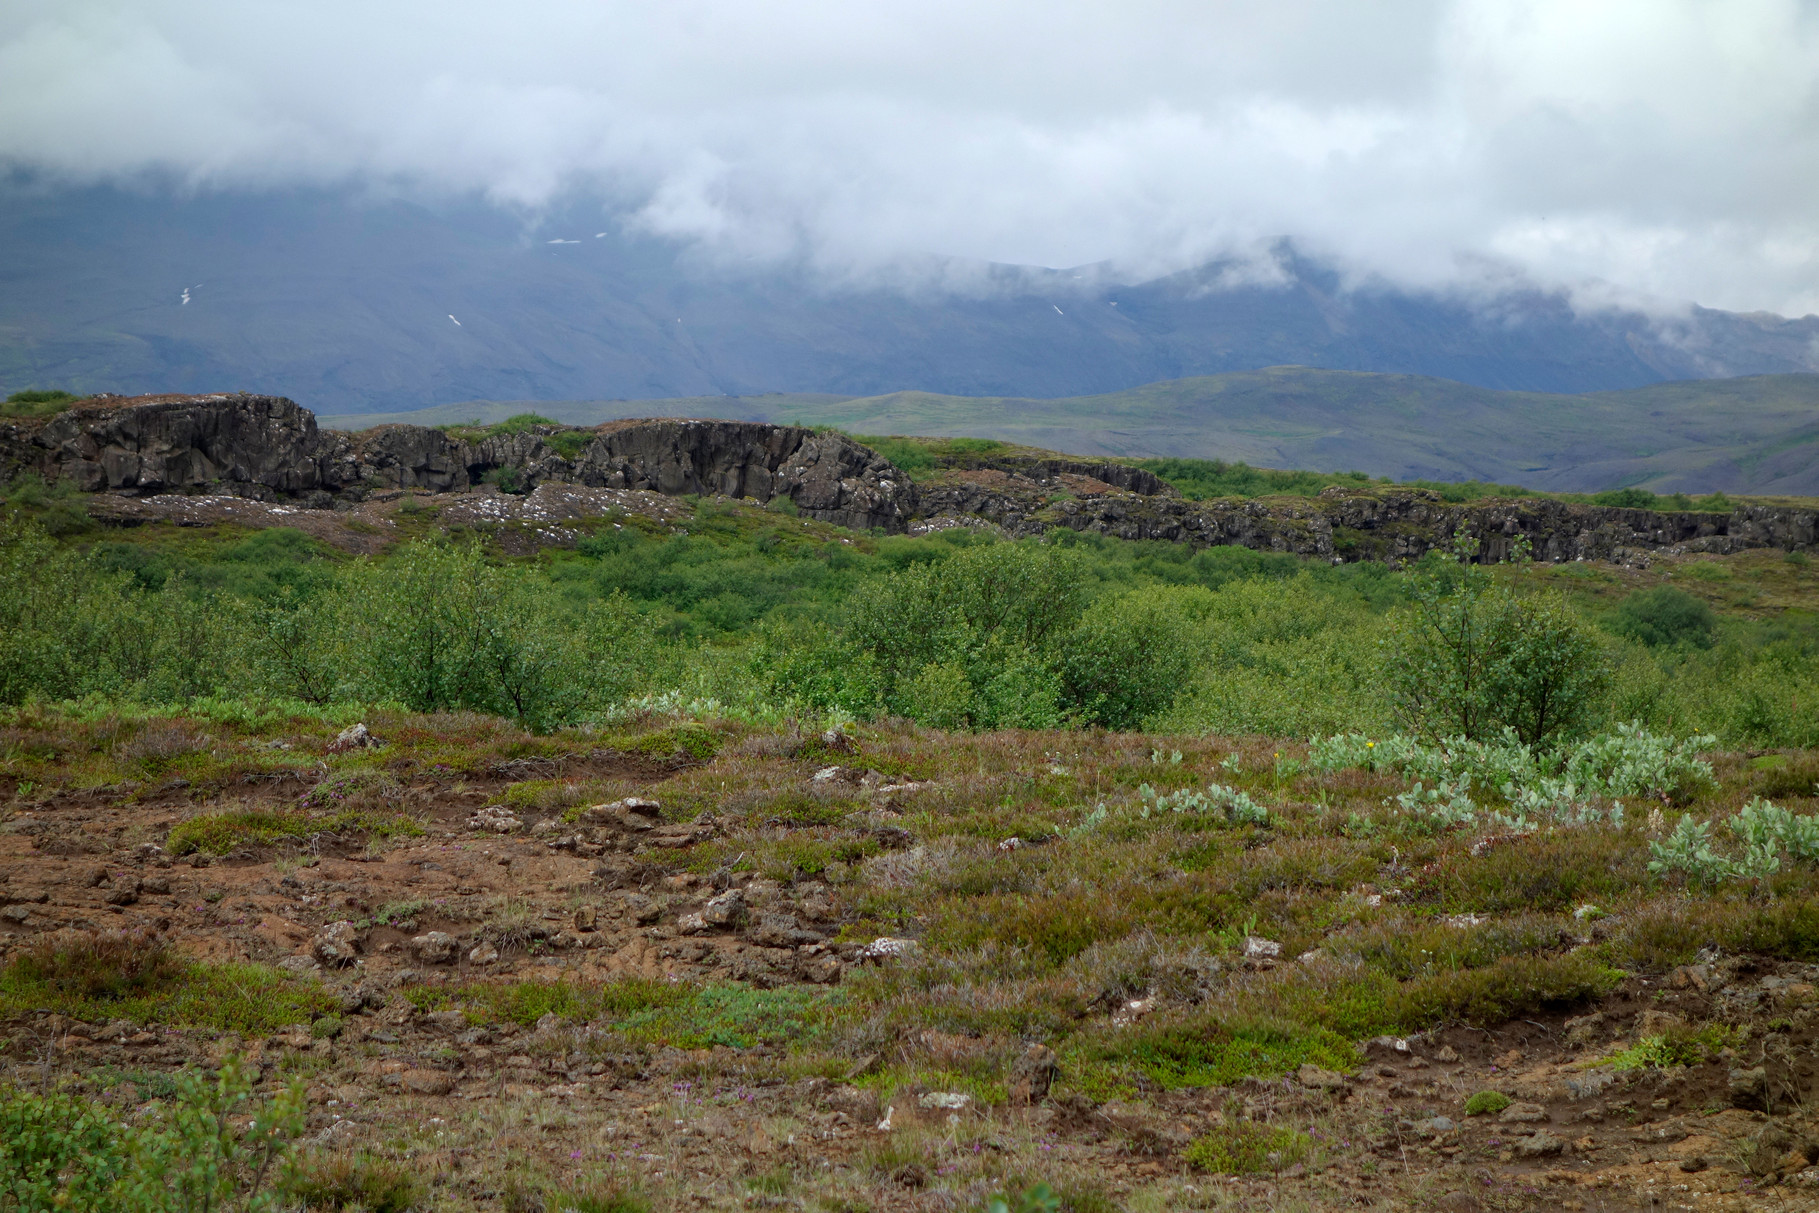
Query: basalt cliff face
[{"x": 269, "y": 448}]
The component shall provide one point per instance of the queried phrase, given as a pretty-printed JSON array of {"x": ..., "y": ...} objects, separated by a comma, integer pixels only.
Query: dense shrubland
[
  {"x": 765, "y": 618},
  {"x": 1446, "y": 794}
]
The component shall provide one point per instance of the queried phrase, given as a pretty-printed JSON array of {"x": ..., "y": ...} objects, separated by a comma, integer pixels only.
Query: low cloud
[{"x": 1634, "y": 150}]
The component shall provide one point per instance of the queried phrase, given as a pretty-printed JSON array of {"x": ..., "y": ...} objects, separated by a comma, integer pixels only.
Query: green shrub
[
  {"x": 56, "y": 1152},
  {"x": 1130, "y": 656},
  {"x": 1663, "y": 617},
  {"x": 102, "y": 967},
  {"x": 1487, "y": 1103},
  {"x": 210, "y": 1145},
  {"x": 1467, "y": 659},
  {"x": 1244, "y": 1147}
]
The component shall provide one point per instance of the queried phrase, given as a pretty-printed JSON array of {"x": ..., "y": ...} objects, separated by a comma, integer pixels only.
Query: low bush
[
  {"x": 1245, "y": 1147},
  {"x": 90, "y": 978},
  {"x": 219, "y": 833},
  {"x": 1663, "y": 617},
  {"x": 356, "y": 1183},
  {"x": 102, "y": 967},
  {"x": 211, "y": 1145},
  {"x": 1487, "y": 1103}
]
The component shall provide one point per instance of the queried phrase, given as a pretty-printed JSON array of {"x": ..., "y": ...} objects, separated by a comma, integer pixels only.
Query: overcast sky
[{"x": 1621, "y": 148}]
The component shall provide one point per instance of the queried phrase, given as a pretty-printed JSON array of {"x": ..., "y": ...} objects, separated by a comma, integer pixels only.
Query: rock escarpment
[{"x": 269, "y": 448}]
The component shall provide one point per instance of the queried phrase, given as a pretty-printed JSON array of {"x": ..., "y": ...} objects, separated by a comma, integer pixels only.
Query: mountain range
[{"x": 359, "y": 304}]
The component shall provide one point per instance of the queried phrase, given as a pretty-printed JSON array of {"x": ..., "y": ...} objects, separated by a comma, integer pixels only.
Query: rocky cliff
[{"x": 270, "y": 448}]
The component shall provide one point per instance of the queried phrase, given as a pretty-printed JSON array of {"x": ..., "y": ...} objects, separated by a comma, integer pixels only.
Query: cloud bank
[{"x": 1661, "y": 150}]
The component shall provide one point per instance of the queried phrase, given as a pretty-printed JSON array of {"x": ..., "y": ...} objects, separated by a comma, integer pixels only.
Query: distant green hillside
[{"x": 1756, "y": 435}]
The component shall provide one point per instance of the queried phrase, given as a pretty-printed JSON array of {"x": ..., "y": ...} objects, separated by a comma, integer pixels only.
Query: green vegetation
[
  {"x": 1243, "y": 1147},
  {"x": 37, "y": 402},
  {"x": 136, "y": 977},
  {"x": 219, "y": 833},
  {"x": 1487, "y": 1103},
  {"x": 211, "y": 1145}
]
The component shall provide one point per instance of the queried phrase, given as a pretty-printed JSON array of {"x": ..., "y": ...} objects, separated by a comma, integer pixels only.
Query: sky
[{"x": 1646, "y": 152}]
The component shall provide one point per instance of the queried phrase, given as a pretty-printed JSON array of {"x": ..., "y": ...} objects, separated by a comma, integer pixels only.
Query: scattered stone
[
  {"x": 825, "y": 775},
  {"x": 693, "y": 924},
  {"x": 1258, "y": 948},
  {"x": 887, "y": 947},
  {"x": 643, "y": 910},
  {"x": 94, "y": 878},
  {"x": 1386, "y": 1046},
  {"x": 435, "y": 948},
  {"x": 482, "y": 953},
  {"x": 353, "y": 737},
  {"x": 1446, "y": 1055},
  {"x": 838, "y": 741},
  {"x": 586, "y": 918},
  {"x": 24, "y": 896},
  {"x": 1032, "y": 1075},
  {"x": 159, "y": 884},
  {"x": 952, "y": 1101},
  {"x": 1657, "y": 1023},
  {"x": 15, "y": 914},
  {"x": 1013, "y": 843},
  {"x": 495, "y": 819},
  {"x": 1131, "y": 1011},
  {"x": 1441, "y": 1124},
  {"x": 336, "y": 945},
  {"x": 1541, "y": 1145},
  {"x": 1311, "y": 1075},
  {"x": 1523, "y": 1113}
]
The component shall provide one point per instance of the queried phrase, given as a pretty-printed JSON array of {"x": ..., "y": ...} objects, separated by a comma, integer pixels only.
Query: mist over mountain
[{"x": 350, "y": 304}]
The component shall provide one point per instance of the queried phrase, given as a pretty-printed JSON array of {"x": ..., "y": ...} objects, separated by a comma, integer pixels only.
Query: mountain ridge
[{"x": 362, "y": 305}]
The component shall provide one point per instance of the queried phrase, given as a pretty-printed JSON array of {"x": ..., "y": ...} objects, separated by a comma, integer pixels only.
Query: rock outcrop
[{"x": 270, "y": 448}]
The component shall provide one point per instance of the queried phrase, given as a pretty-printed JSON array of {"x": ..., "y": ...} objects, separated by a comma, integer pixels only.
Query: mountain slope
[
  {"x": 346, "y": 304},
  {"x": 1758, "y": 434}
]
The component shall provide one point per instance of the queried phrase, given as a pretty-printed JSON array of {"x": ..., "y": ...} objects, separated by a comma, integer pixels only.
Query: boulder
[
  {"x": 1522, "y": 1113},
  {"x": 336, "y": 946},
  {"x": 353, "y": 737},
  {"x": 435, "y": 948},
  {"x": 1541, "y": 1144},
  {"x": 1032, "y": 1075},
  {"x": 724, "y": 909}
]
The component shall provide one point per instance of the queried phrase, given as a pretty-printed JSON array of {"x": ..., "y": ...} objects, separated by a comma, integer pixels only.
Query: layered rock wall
[{"x": 270, "y": 448}]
